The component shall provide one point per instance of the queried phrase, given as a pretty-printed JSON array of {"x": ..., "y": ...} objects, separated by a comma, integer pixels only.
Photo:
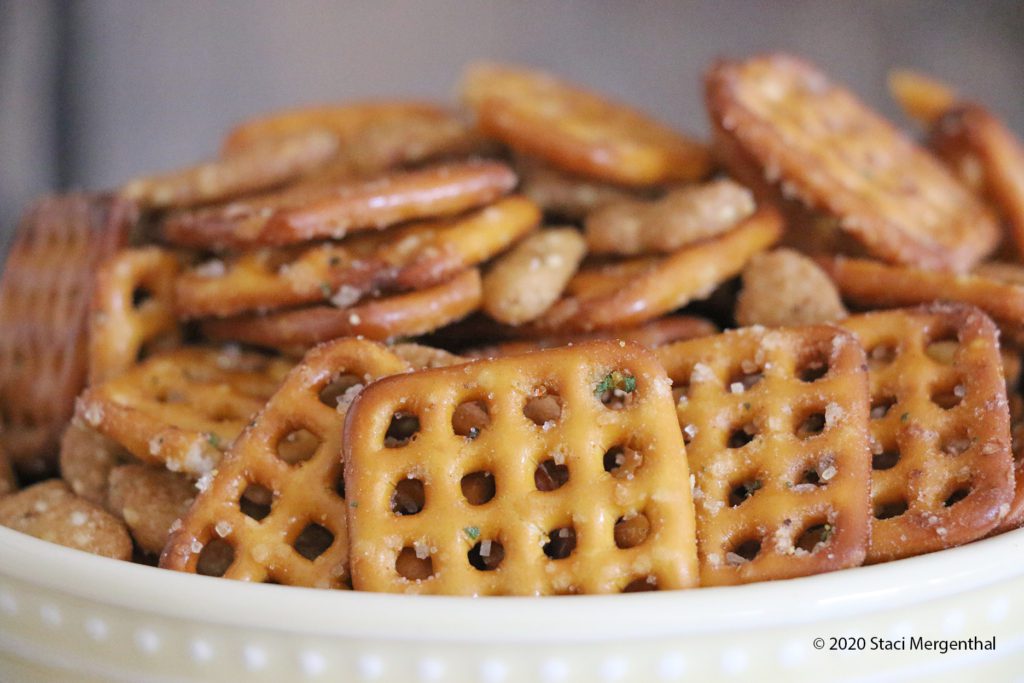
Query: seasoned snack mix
[{"x": 535, "y": 342}]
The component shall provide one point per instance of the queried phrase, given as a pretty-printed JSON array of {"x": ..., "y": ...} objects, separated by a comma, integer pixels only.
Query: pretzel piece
[
  {"x": 633, "y": 292},
  {"x": 876, "y": 285},
  {"x": 524, "y": 283},
  {"x": 579, "y": 131},
  {"x": 294, "y": 531},
  {"x": 776, "y": 425},
  {"x": 1015, "y": 517},
  {"x": 183, "y": 408},
  {"x": 332, "y": 210},
  {"x": 922, "y": 98},
  {"x": 86, "y": 460},
  {"x": 411, "y": 257},
  {"x": 784, "y": 287},
  {"x": 132, "y": 312},
  {"x": 816, "y": 143},
  {"x": 682, "y": 217},
  {"x": 261, "y": 167},
  {"x": 400, "y": 315},
  {"x": 420, "y": 357},
  {"x": 50, "y": 511},
  {"x": 495, "y": 493},
  {"x": 44, "y": 302},
  {"x": 149, "y": 500},
  {"x": 942, "y": 466}
]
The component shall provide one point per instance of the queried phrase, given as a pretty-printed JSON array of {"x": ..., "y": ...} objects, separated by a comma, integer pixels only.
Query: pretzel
[
  {"x": 524, "y": 283},
  {"x": 921, "y": 98},
  {"x": 8, "y": 482},
  {"x": 779, "y": 119},
  {"x": 783, "y": 287},
  {"x": 132, "y": 310},
  {"x": 655, "y": 333},
  {"x": 86, "y": 460},
  {"x": 293, "y": 531},
  {"x": 44, "y": 299},
  {"x": 579, "y": 131},
  {"x": 182, "y": 408},
  {"x": 263, "y": 166},
  {"x": 420, "y": 357},
  {"x": 553, "y": 472},
  {"x": 149, "y": 500},
  {"x": 569, "y": 197},
  {"x": 412, "y": 257},
  {"x": 942, "y": 467},
  {"x": 776, "y": 426},
  {"x": 682, "y": 217},
  {"x": 400, "y": 315},
  {"x": 50, "y": 511},
  {"x": 633, "y": 292},
  {"x": 332, "y": 210},
  {"x": 875, "y": 285}
]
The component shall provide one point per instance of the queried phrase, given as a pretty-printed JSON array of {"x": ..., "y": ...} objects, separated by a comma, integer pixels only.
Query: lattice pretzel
[
  {"x": 776, "y": 424},
  {"x": 293, "y": 530},
  {"x": 411, "y": 257},
  {"x": 182, "y": 408},
  {"x": 44, "y": 302},
  {"x": 779, "y": 120},
  {"x": 496, "y": 494},
  {"x": 942, "y": 467},
  {"x": 132, "y": 310}
]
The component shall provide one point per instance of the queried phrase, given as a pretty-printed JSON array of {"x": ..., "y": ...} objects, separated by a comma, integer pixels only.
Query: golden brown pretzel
[
  {"x": 332, "y": 210},
  {"x": 182, "y": 408},
  {"x": 779, "y": 120},
  {"x": 266, "y": 515},
  {"x": 776, "y": 424},
  {"x": 44, "y": 304},
  {"x": 400, "y": 315},
  {"x": 553, "y": 472},
  {"x": 579, "y": 131},
  {"x": 942, "y": 467},
  {"x": 132, "y": 310}
]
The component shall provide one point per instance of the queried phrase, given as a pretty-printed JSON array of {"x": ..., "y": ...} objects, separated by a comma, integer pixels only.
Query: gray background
[{"x": 93, "y": 92}]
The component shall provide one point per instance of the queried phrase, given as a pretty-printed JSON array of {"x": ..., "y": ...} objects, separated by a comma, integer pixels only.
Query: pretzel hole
[
  {"x": 140, "y": 295},
  {"x": 215, "y": 558},
  {"x": 743, "y": 552},
  {"x": 882, "y": 354},
  {"x": 942, "y": 345},
  {"x": 885, "y": 460},
  {"x": 402, "y": 430},
  {"x": 313, "y": 541},
  {"x": 414, "y": 564},
  {"x": 956, "y": 443},
  {"x": 812, "y": 364},
  {"x": 743, "y": 490},
  {"x": 298, "y": 445},
  {"x": 956, "y": 495},
  {"x": 339, "y": 486},
  {"x": 622, "y": 462},
  {"x": 408, "y": 497},
  {"x": 641, "y": 585},
  {"x": 742, "y": 435},
  {"x": 561, "y": 543},
  {"x": 543, "y": 411},
  {"x": 881, "y": 405},
  {"x": 255, "y": 501},
  {"x": 811, "y": 425},
  {"x": 948, "y": 397},
  {"x": 617, "y": 389},
  {"x": 336, "y": 393},
  {"x": 890, "y": 509},
  {"x": 486, "y": 555},
  {"x": 550, "y": 475},
  {"x": 815, "y": 536},
  {"x": 478, "y": 487},
  {"x": 470, "y": 418},
  {"x": 631, "y": 530},
  {"x": 744, "y": 376}
]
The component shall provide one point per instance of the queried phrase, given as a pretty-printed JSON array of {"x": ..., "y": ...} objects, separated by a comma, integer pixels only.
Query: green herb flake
[
  {"x": 746, "y": 406},
  {"x": 213, "y": 440},
  {"x": 616, "y": 380},
  {"x": 752, "y": 486},
  {"x": 325, "y": 288},
  {"x": 904, "y": 417},
  {"x": 353, "y": 503},
  {"x": 472, "y": 532}
]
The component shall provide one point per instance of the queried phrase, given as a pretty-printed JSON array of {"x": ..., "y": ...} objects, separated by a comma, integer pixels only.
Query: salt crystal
[
  {"x": 210, "y": 269},
  {"x": 345, "y": 296},
  {"x": 222, "y": 528},
  {"x": 701, "y": 373},
  {"x": 833, "y": 413},
  {"x": 736, "y": 387},
  {"x": 734, "y": 559},
  {"x": 196, "y": 546},
  {"x": 354, "y": 319},
  {"x": 78, "y": 518},
  {"x": 690, "y": 430},
  {"x": 485, "y": 548},
  {"x": 422, "y": 550},
  {"x": 94, "y": 414},
  {"x": 345, "y": 400},
  {"x": 828, "y": 472}
]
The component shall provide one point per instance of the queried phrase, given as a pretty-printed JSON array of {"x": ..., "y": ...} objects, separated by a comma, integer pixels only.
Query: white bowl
[{"x": 67, "y": 615}]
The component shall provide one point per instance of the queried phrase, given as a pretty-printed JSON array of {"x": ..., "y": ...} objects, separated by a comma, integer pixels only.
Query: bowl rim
[{"x": 162, "y": 593}]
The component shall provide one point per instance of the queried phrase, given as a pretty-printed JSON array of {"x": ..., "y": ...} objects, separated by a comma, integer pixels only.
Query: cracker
[
  {"x": 776, "y": 425},
  {"x": 44, "y": 301},
  {"x": 816, "y": 143},
  {"x": 86, "y": 460},
  {"x": 149, "y": 500},
  {"x": 267, "y": 515},
  {"x": 783, "y": 287},
  {"x": 579, "y": 131},
  {"x": 50, "y": 511}
]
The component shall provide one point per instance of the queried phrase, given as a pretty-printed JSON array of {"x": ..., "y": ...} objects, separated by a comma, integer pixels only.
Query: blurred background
[{"x": 93, "y": 92}]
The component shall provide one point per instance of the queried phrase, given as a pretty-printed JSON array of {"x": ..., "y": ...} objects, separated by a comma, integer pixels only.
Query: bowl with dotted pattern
[{"x": 67, "y": 615}]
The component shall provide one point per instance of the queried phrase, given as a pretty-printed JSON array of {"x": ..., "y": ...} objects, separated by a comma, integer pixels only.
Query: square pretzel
[
  {"x": 554, "y": 472},
  {"x": 776, "y": 425},
  {"x": 940, "y": 426}
]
